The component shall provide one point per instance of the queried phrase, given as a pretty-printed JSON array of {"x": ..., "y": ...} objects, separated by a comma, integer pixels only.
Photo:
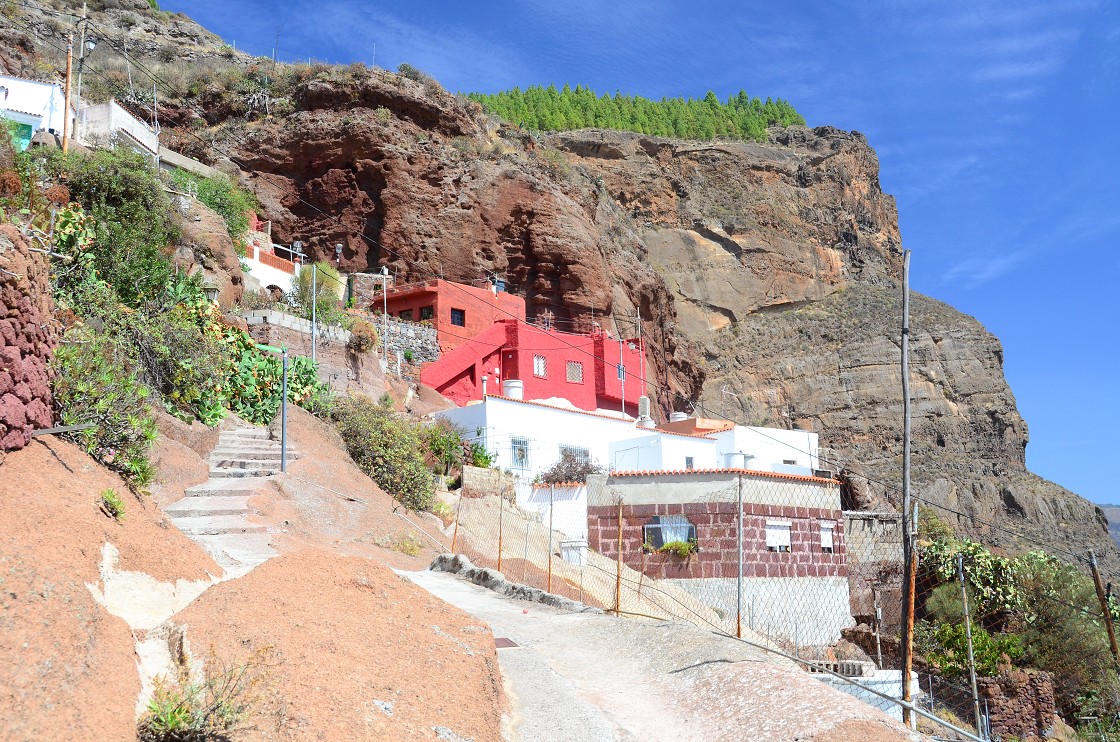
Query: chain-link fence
[{"x": 773, "y": 560}]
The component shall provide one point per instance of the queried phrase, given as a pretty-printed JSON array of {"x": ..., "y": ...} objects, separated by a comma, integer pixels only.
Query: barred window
[
  {"x": 578, "y": 453},
  {"x": 540, "y": 367},
  {"x": 459, "y": 317},
  {"x": 575, "y": 372},
  {"x": 519, "y": 453}
]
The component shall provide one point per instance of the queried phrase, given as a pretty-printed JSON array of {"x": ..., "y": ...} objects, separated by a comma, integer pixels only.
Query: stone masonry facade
[
  {"x": 716, "y": 538},
  {"x": 27, "y": 339},
  {"x": 1021, "y": 704}
]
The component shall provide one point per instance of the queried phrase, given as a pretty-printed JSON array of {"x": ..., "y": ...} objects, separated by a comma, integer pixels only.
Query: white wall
[
  {"x": 101, "y": 123},
  {"x": 659, "y": 451},
  {"x": 770, "y": 447},
  {"x": 496, "y": 421},
  {"x": 804, "y": 611},
  {"x": 568, "y": 507},
  {"x": 266, "y": 274},
  {"x": 664, "y": 489},
  {"x": 43, "y": 102}
]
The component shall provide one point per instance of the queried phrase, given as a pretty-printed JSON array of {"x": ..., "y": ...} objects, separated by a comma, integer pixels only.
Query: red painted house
[
  {"x": 582, "y": 369},
  {"x": 458, "y": 311}
]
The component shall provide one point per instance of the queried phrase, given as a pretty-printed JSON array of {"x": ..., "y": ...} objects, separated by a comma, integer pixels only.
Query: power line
[{"x": 418, "y": 269}]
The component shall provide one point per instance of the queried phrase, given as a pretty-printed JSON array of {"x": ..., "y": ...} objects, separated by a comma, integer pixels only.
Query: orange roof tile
[{"x": 752, "y": 472}]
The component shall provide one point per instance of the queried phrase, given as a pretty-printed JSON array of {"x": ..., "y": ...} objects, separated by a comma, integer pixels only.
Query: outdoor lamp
[
  {"x": 210, "y": 290},
  {"x": 338, "y": 253}
]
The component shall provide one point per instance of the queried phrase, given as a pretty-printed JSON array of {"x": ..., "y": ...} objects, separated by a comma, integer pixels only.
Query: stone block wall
[
  {"x": 1021, "y": 704},
  {"x": 401, "y": 335},
  {"x": 718, "y": 547},
  {"x": 28, "y": 335},
  {"x": 345, "y": 371},
  {"x": 479, "y": 482},
  {"x": 875, "y": 565}
]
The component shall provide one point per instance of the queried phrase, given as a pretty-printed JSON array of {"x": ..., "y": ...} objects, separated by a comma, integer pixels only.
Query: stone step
[
  {"x": 190, "y": 507},
  {"x": 270, "y": 463},
  {"x": 242, "y": 455},
  {"x": 247, "y": 432},
  {"x": 223, "y": 488},
  {"x": 242, "y": 473},
  {"x": 209, "y": 525},
  {"x": 251, "y": 445}
]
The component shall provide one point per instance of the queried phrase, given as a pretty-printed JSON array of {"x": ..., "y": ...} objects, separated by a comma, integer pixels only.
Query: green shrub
[
  {"x": 388, "y": 448},
  {"x": 363, "y": 337},
  {"x": 444, "y": 443},
  {"x": 945, "y": 647},
  {"x": 111, "y": 504},
  {"x": 221, "y": 194},
  {"x": 132, "y": 217},
  {"x": 94, "y": 384},
  {"x": 570, "y": 468},
  {"x": 681, "y": 549},
  {"x": 210, "y": 710}
]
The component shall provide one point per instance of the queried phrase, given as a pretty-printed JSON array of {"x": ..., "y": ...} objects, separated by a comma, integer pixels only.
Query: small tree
[
  {"x": 572, "y": 467},
  {"x": 327, "y": 282}
]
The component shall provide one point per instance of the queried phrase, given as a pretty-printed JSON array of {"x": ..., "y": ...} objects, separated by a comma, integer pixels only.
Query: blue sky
[{"x": 995, "y": 124}]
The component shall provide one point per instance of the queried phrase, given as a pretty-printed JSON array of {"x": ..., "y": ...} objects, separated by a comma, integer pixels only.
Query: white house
[
  {"x": 108, "y": 124},
  {"x": 32, "y": 106},
  {"x": 527, "y": 437}
]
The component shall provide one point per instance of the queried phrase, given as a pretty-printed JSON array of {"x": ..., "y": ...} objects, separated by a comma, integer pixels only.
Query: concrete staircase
[{"x": 215, "y": 513}]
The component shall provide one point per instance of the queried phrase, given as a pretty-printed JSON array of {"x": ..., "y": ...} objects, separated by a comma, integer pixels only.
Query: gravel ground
[{"x": 595, "y": 677}]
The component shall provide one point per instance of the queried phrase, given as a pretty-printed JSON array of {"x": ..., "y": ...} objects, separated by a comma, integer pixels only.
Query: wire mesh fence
[{"x": 773, "y": 559}]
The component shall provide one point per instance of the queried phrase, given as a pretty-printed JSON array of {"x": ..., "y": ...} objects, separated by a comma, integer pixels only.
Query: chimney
[
  {"x": 644, "y": 419},
  {"x": 513, "y": 388},
  {"x": 678, "y": 417}
]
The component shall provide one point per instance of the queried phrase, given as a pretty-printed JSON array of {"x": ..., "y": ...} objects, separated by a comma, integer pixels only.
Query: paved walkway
[
  {"x": 215, "y": 514},
  {"x": 584, "y": 677}
]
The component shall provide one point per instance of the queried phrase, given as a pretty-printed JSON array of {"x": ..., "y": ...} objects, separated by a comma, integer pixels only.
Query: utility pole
[
  {"x": 81, "y": 54},
  {"x": 66, "y": 101},
  {"x": 314, "y": 305},
  {"x": 968, "y": 638},
  {"x": 909, "y": 558}
]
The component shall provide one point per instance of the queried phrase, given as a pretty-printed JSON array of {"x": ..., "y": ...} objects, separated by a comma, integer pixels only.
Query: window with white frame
[
  {"x": 827, "y": 532},
  {"x": 519, "y": 453},
  {"x": 778, "y": 535},
  {"x": 665, "y": 529},
  {"x": 575, "y": 372},
  {"x": 539, "y": 366}
]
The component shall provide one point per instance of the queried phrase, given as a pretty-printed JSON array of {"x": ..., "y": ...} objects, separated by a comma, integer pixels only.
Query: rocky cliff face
[{"x": 765, "y": 275}]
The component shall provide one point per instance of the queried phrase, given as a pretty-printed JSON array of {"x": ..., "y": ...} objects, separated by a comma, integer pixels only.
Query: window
[
  {"x": 575, "y": 452},
  {"x": 575, "y": 372},
  {"x": 827, "y": 530},
  {"x": 539, "y": 367},
  {"x": 406, "y": 314},
  {"x": 459, "y": 317},
  {"x": 777, "y": 535},
  {"x": 519, "y": 453},
  {"x": 789, "y": 462},
  {"x": 688, "y": 462},
  {"x": 665, "y": 529},
  {"x": 426, "y": 313}
]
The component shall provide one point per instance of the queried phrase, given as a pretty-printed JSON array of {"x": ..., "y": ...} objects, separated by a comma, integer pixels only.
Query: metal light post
[
  {"x": 314, "y": 307},
  {"x": 385, "y": 279},
  {"x": 283, "y": 402}
]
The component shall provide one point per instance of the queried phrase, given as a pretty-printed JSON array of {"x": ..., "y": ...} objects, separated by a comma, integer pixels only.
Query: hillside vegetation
[{"x": 740, "y": 117}]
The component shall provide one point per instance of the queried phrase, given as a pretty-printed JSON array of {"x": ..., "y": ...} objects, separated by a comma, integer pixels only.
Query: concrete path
[
  {"x": 215, "y": 513},
  {"x": 585, "y": 676},
  {"x": 575, "y": 676}
]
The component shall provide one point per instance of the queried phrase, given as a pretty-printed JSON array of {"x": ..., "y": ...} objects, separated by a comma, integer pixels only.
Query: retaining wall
[{"x": 28, "y": 335}]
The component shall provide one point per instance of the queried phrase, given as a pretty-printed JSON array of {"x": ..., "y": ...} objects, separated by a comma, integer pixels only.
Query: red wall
[
  {"x": 481, "y": 307},
  {"x": 715, "y": 535},
  {"x": 510, "y": 347}
]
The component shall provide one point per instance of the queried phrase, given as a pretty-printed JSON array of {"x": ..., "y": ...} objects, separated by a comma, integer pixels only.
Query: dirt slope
[
  {"x": 67, "y": 667},
  {"x": 360, "y": 652}
]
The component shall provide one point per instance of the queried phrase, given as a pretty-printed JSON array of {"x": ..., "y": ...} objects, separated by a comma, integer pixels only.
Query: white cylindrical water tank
[
  {"x": 737, "y": 460},
  {"x": 513, "y": 388},
  {"x": 678, "y": 417}
]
